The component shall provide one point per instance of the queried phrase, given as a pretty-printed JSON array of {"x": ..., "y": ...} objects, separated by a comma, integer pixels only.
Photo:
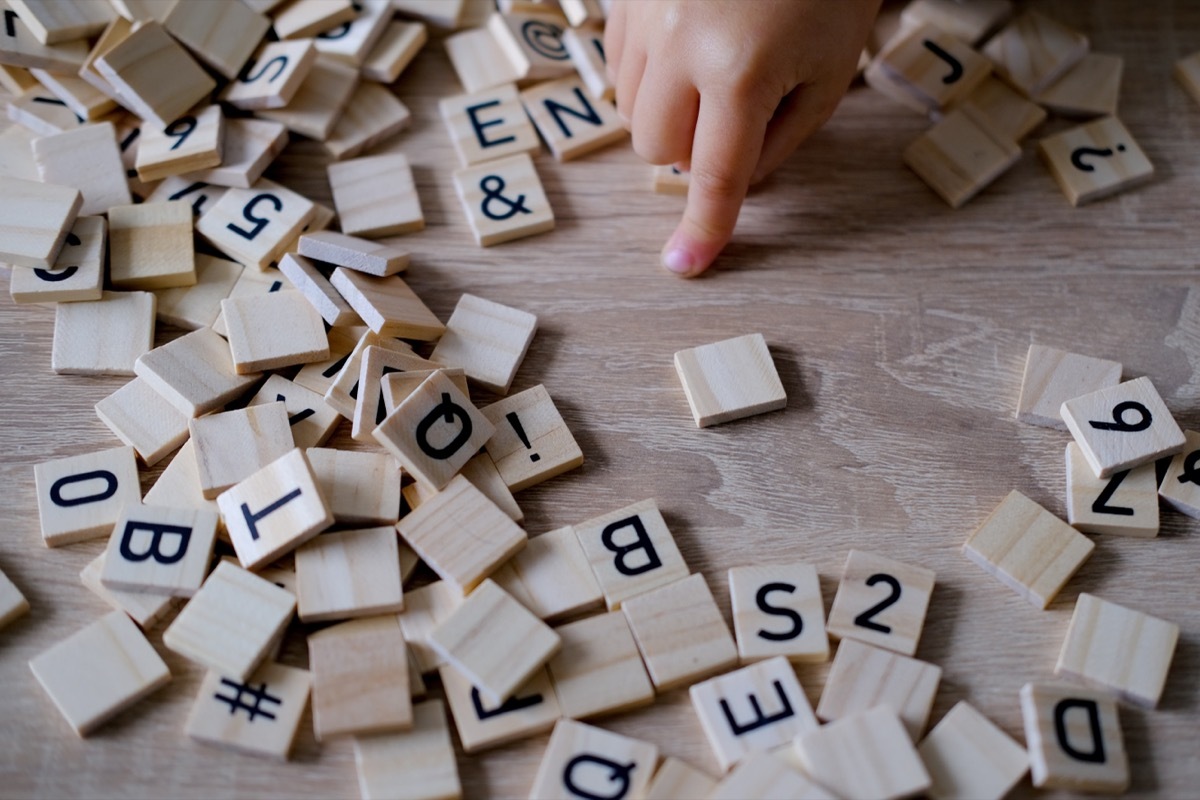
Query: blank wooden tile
[
  {"x": 179, "y": 485},
  {"x": 1033, "y": 51},
  {"x": 863, "y": 677},
  {"x": 1180, "y": 487},
  {"x": 197, "y": 306},
  {"x": 418, "y": 764},
  {"x": 631, "y": 551},
  {"x": 1119, "y": 649},
  {"x": 1053, "y": 376},
  {"x": 376, "y": 196},
  {"x": 424, "y": 609},
  {"x": 970, "y": 22},
  {"x": 274, "y": 511},
  {"x": 361, "y": 488},
  {"x": 373, "y": 115},
  {"x": 1125, "y": 504},
  {"x": 1008, "y": 113},
  {"x": 150, "y": 246},
  {"x": 231, "y": 623},
  {"x": 480, "y": 471},
  {"x": 342, "y": 392},
  {"x": 531, "y": 442},
  {"x": 232, "y": 445},
  {"x": 311, "y": 420},
  {"x": 586, "y": 48},
  {"x": 349, "y": 574},
  {"x": 274, "y": 331},
  {"x": 114, "y": 33},
  {"x": 253, "y": 283},
  {"x": 729, "y": 380},
  {"x": 259, "y": 715},
  {"x": 1122, "y": 426},
  {"x": 154, "y": 75},
  {"x": 1095, "y": 160},
  {"x": 301, "y": 19},
  {"x": 34, "y": 221},
  {"x": 250, "y": 146},
  {"x": 143, "y": 608},
  {"x": 1028, "y": 549},
  {"x": 122, "y": 668},
  {"x": 532, "y": 709},
  {"x": 320, "y": 100},
  {"x": 586, "y": 761},
  {"x": 255, "y": 225},
  {"x": 968, "y": 756},
  {"x": 18, "y": 80},
  {"x": 22, "y": 49},
  {"x": 961, "y": 155},
  {"x": 272, "y": 77},
  {"x": 669, "y": 180},
  {"x": 77, "y": 274},
  {"x": 504, "y": 200},
  {"x": 778, "y": 611},
  {"x": 88, "y": 159},
  {"x": 1091, "y": 88},
  {"x": 394, "y": 51},
  {"x": 881, "y": 601},
  {"x": 194, "y": 372},
  {"x": 63, "y": 21},
  {"x": 599, "y": 670},
  {"x": 160, "y": 550},
  {"x": 487, "y": 125},
  {"x": 360, "y": 678},
  {"x": 12, "y": 603},
  {"x": 354, "y": 253},
  {"x": 533, "y": 44},
  {"x": 754, "y": 709},
  {"x": 833, "y": 756},
  {"x": 396, "y": 387},
  {"x": 1187, "y": 72},
  {"x": 192, "y": 142},
  {"x": 570, "y": 120},
  {"x": 551, "y": 576},
  {"x": 103, "y": 337},
  {"x": 676, "y": 778},
  {"x": 681, "y": 633},
  {"x": 1074, "y": 739},
  {"x": 478, "y": 60},
  {"x": 766, "y": 775},
  {"x": 387, "y": 305},
  {"x": 319, "y": 375},
  {"x": 934, "y": 67},
  {"x": 221, "y": 34},
  {"x": 486, "y": 339},
  {"x": 16, "y": 153}
]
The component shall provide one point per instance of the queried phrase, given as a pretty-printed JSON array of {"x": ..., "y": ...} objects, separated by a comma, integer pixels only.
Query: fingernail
[{"x": 679, "y": 261}]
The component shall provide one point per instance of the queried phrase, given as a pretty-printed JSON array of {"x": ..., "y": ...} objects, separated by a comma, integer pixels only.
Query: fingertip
[{"x": 686, "y": 257}]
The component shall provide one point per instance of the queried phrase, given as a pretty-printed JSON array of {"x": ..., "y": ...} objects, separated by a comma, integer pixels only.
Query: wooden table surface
[{"x": 899, "y": 328}]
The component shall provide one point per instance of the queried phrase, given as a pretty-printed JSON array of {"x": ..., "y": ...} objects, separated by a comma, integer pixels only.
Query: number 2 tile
[{"x": 881, "y": 602}]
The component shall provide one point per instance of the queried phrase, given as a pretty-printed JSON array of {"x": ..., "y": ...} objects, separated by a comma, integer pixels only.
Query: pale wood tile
[
  {"x": 311, "y": 420},
  {"x": 935, "y": 68},
  {"x": 531, "y": 442},
  {"x": 253, "y": 283},
  {"x": 360, "y": 678},
  {"x": 424, "y": 609},
  {"x": 370, "y": 406},
  {"x": 77, "y": 274},
  {"x": 342, "y": 391},
  {"x": 360, "y": 255},
  {"x": 729, "y": 380},
  {"x": 676, "y": 778},
  {"x": 532, "y": 42},
  {"x": 198, "y": 194},
  {"x": 143, "y": 608},
  {"x": 778, "y": 611},
  {"x": 387, "y": 305},
  {"x": 1187, "y": 72},
  {"x": 88, "y": 159},
  {"x": 767, "y": 776},
  {"x": 881, "y": 601},
  {"x": 487, "y": 340},
  {"x": 301, "y": 19},
  {"x": 103, "y": 337},
  {"x": 631, "y": 551},
  {"x": 194, "y": 372},
  {"x": 34, "y": 221},
  {"x": 271, "y": 78},
  {"x": 504, "y": 200},
  {"x": 585, "y": 45},
  {"x": 320, "y": 100},
  {"x": 1008, "y": 113},
  {"x": 1074, "y": 738},
  {"x": 1125, "y": 504},
  {"x": 222, "y": 34},
  {"x": 551, "y": 576},
  {"x": 970, "y": 22},
  {"x": 250, "y": 146},
  {"x": 361, "y": 488},
  {"x": 488, "y": 124},
  {"x": 160, "y": 550},
  {"x": 195, "y": 141},
  {"x": 961, "y": 155},
  {"x": 278, "y": 330},
  {"x": 179, "y": 486},
  {"x": 63, "y": 21},
  {"x": 583, "y": 760},
  {"x": 863, "y": 677},
  {"x": 416, "y": 765},
  {"x": 197, "y": 306},
  {"x": 395, "y": 50},
  {"x": 1053, "y": 376},
  {"x": 1180, "y": 488},
  {"x": 532, "y": 709},
  {"x": 373, "y": 115},
  {"x": 353, "y": 39},
  {"x": 150, "y": 246},
  {"x": 12, "y": 603},
  {"x": 259, "y": 715},
  {"x": 1033, "y": 51},
  {"x": 376, "y": 196},
  {"x": 571, "y": 121},
  {"x": 599, "y": 670},
  {"x": 1091, "y": 88},
  {"x": 349, "y": 574},
  {"x": 835, "y": 756},
  {"x": 969, "y": 756},
  {"x": 22, "y": 49},
  {"x": 232, "y": 445},
  {"x": 256, "y": 225},
  {"x": 1122, "y": 426},
  {"x": 480, "y": 470},
  {"x": 448, "y": 14},
  {"x": 668, "y": 179},
  {"x": 478, "y": 60},
  {"x": 1095, "y": 160}
]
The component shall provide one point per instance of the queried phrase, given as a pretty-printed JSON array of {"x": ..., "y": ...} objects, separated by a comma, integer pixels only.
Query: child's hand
[{"x": 728, "y": 89}]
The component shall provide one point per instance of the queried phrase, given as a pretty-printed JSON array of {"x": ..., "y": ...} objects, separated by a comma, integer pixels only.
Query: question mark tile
[
  {"x": 1122, "y": 426},
  {"x": 1095, "y": 160}
]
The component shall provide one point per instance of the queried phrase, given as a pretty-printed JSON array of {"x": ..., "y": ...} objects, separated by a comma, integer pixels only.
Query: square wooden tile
[
  {"x": 1074, "y": 739},
  {"x": 253, "y": 283},
  {"x": 376, "y": 196},
  {"x": 631, "y": 551},
  {"x": 480, "y": 470},
  {"x": 730, "y": 380},
  {"x": 194, "y": 372},
  {"x": 103, "y": 337},
  {"x": 1004, "y": 110},
  {"x": 143, "y": 608},
  {"x": 354, "y": 253},
  {"x": 51, "y": 23},
  {"x": 1095, "y": 160},
  {"x": 319, "y": 102},
  {"x": 1091, "y": 88},
  {"x": 531, "y": 442},
  {"x": 223, "y": 35},
  {"x": 970, "y": 22},
  {"x": 487, "y": 125},
  {"x": 271, "y": 78},
  {"x": 532, "y": 709},
  {"x": 197, "y": 306},
  {"x": 583, "y": 760},
  {"x": 834, "y": 756},
  {"x": 349, "y": 574},
  {"x": 933, "y": 66},
  {"x": 766, "y": 775},
  {"x": 160, "y": 550},
  {"x": 585, "y": 45},
  {"x": 967, "y": 755},
  {"x": 250, "y": 146},
  {"x": 668, "y": 179},
  {"x": 312, "y": 421},
  {"x": 179, "y": 485},
  {"x": 504, "y": 200},
  {"x": 778, "y": 611},
  {"x": 81, "y": 497},
  {"x": 414, "y": 763},
  {"x": 361, "y": 488},
  {"x": 961, "y": 155},
  {"x": 1033, "y": 51},
  {"x": 478, "y": 60},
  {"x": 232, "y": 445},
  {"x": 551, "y": 577},
  {"x": 1122, "y": 426},
  {"x": 341, "y": 376},
  {"x": 88, "y": 159},
  {"x": 394, "y": 51},
  {"x": 487, "y": 340},
  {"x": 254, "y": 226},
  {"x": 150, "y": 246},
  {"x": 1187, "y": 72},
  {"x": 881, "y": 601},
  {"x": 387, "y": 305},
  {"x": 360, "y": 678},
  {"x": 259, "y": 715},
  {"x": 1053, "y": 376},
  {"x": 24, "y": 50},
  {"x": 676, "y": 778},
  {"x": 194, "y": 142},
  {"x": 370, "y": 406},
  {"x": 396, "y": 387},
  {"x": 424, "y": 609},
  {"x": 77, "y": 274},
  {"x": 278, "y": 330},
  {"x": 572, "y": 121},
  {"x": 12, "y": 603},
  {"x": 1125, "y": 504},
  {"x": 863, "y": 677},
  {"x": 1180, "y": 487},
  {"x": 122, "y": 668},
  {"x": 353, "y": 39},
  {"x": 373, "y": 116},
  {"x": 532, "y": 42},
  {"x": 599, "y": 670}
]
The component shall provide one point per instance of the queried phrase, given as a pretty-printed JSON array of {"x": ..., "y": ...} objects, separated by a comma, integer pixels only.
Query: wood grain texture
[{"x": 902, "y": 329}]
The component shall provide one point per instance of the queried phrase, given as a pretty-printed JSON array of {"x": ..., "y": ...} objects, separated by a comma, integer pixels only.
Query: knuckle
[{"x": 718, "y": 184}]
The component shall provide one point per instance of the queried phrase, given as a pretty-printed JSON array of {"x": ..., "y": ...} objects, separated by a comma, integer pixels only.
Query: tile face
[
  {"x": 160, "y": 550},
  {"x": 320, "y": 100},
  {"x": 122, "y": 668},
  {"x": 194, "y": 372},
  {"x": 531, "y": 442},
  {"x": 340, "y": 377},
  {"x": 551, "y": 577},
  {"x": 961, "y": 155},
  {"x": 767, "y": 775},
  {"x": 1053, "y": 376},
  {"x": 88, "y": 159},
  {"x": 280, "y": 329},
  {"x": 77, "y": 274},
  {"x": 103, "y": 337},
  {"x": 970, "y": 22},
  {"x": 778, "y": 611},
  {"x": 252, "y": 283},
  {"x": 361, "y": 488},
  {"x": 179, "y": 485},
  {"x": 934, "y": 67},
  {"x": 504, "y": 200},
  {"x": 424, "y": 609},
  {"x": 1074, "y": 739},
  {"x": 533, "y": 709},
  {"x": 259, "y": 715},
  {"x": 863, "y": 677},
  {"x": 631, "y": 552},
  {"x": 312, "y": 421},
  {"x": 360, "y": 678},
  {"x": 478, "y": 60},
  {"x": 349, "y": 574},
  {"x": 370, "y": 406},
  {"x": 1119, "y": 649},
  {"x": 676, "y": 778},
  {"x": 488, "y": 125},
  {"x": 571, "y": 120},
  {"x": 778, "y": 710},
  {"x": 967, "y": 755},
  {"x": 316, "y": 288},
  {"x": 250, "y": 146},
  {"x": 233, "y": 445},
  {"x": 197, "y": 306},
  {"x": 376, "y": 196},
  {"x": 231, "y": 623},
  {"x": 12, "y": 603},
  {"x": 23, "y": 49},
  {"x": 1028, "y": 549},
  {"x": 222, "y": 35},
  {"x": 533, "y": 44},
  {"x": 1122, "y": 426},
  {"x": 193, "y": 142},
  {"x": 730, "y": 380},
  {"x": 51, "y": 23},
  {"x": 599, "y": 669},
  {"x": 254, "y": 226},
  {"x": 395, "y": 50},
  {"x": 835, "y": 756},
  {"x": 1181, "y": 485},
  {"x": 1125, "y": 504},
  {"x": 585, "y": 761},
  {"x": 1033, "y": 51},
  {"x": 881, "y": 602},
  {"x": 354, "y": 253},
  {"x": 387, "y": 305},
  {"x": 143, "y": 608},
  {"x": 81, "y": 497},
  {"x": 1095, "y": 160},
  {"x": 487, "y": 340},
  {"x": 1089, "y": 89},
  {"x": 669, "y": 180},
  {"x": 273, "y": 76},
  {"x": 681, "y": 633},
  {"x": 418, "y": 763},
  {"x": 1004, "y": 110}
]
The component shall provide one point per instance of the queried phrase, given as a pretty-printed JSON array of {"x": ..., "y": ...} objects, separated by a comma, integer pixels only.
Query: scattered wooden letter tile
[
  {"x": 275, "y": 510},
  {"x": 361, "y": 488},
  {"x": 43, "y": 114},
  {"x": 424, "y": 609},
  {"x": 1089, "y": 89},
  {"x": 349, "y": 574},
  {"x": 531, "y": 442},
  {"x": 12, "y": 603},
  {"x": 961, "y": 155},
  {"x": 192, "y": 142},
  {"x": 504, "y": 200},
  {"x": 533, "y": 44},
  {"x": 586, "y": 48},
  {"x": 1119, "y": 649},
  {"x": 63, "y": 21},
  {"x": 396, "y": 387},
  {"x": 1122, "y": 426},
  {"x": 881, "y": 602},
  {"x": 1187, "y": 72},
  {"x": 370, "y": 407},
  {"x": 150, "y": 246},
  {"x": 160, "y": 550},
  {"x": 487, "y": 125},
  {"x": 34, "y": 221},
  {"x": 352, "y": 40},
  {"x": 179, "y": 485},
  {"x": 676, "y": 778},
  {"x": 272, "y": 77},
  {"x": 222, "y": 34},
  {"x": 551, "y": 576},
  {"x": 376, "y": 196},
  {"x": 778, "y": 611},
  {"x": 301, "y": 19},
  {"x": 481, "y": 471},
  {"x": 232, "y": 445},
  {"x": 970, "y": 22},
  {"x": 532, "y": 709},
  {"x": 353, "y": 253},
  {"x": 1125, "y": 504},
  {"x": 1180, "y": 487},
  {"x": 418, "y": 763},
  {"x": 274, "y": 331},
  {"x": 342, "y": 392},
  {"x": 16, "y": 153},
  {"x": 668, "y": 179},
  {"x": 122, "y": 668},
  {"x": 77, "y": 274},
  {"x": 395, "y": 50},
  {"x": 373, "y": 115},
  {"x": 572, "y": 122},
  {"x": 255, "y": 225},
  {"x": 486, "y": 339},
  {"x": 258, "y": 715},
  {"x": 1008, "y": 113},
  {"x": 103, "y": 337},
  {"x": 88, "y": 159},
  {"x": 833, "y": 755},
  {"x": 680, "y": 632},
  {"x": 320, "y": 100},
  {"x": 599, "y": 669},
  {"x": 142, "y": 607},
  {"x": 197, "y": 306},
  {"x": 1095, "y": 160},
  {"x": 319, "y": 375},
  {"x": 194, "y": 372},
  {"x": 1033, "y": 51},
  {"x": 360, "y": 678},
  {"x": 387, "y": 305},
  {"x": 198, "y": 194},
  {"x": 934, "y": 67},
  {"x": 1053, "y": 376},
  {"x": 730, "y": 380},
  {"x": 311, "y": 420},
  {"x": 479, "y": 61},
  {"x": 231, "y": 623},
  {"x": 967, "y": 755},
  {"x": 1028, "y": 549},
  {"x": 154, "y": 75},
  {"x": 778, "y": 710},
  {"x": 252, "y": 283},
  {"x": 1074, "y": 739},
  {"x": 586, "y": 761},
  {"x": 863, "y": 677},
  {"x": 766, "y": 775},
  {"x": 631, "y": 551},
  {"x": 250, "y": 146},
  {"x": 21, "y": 48}
]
